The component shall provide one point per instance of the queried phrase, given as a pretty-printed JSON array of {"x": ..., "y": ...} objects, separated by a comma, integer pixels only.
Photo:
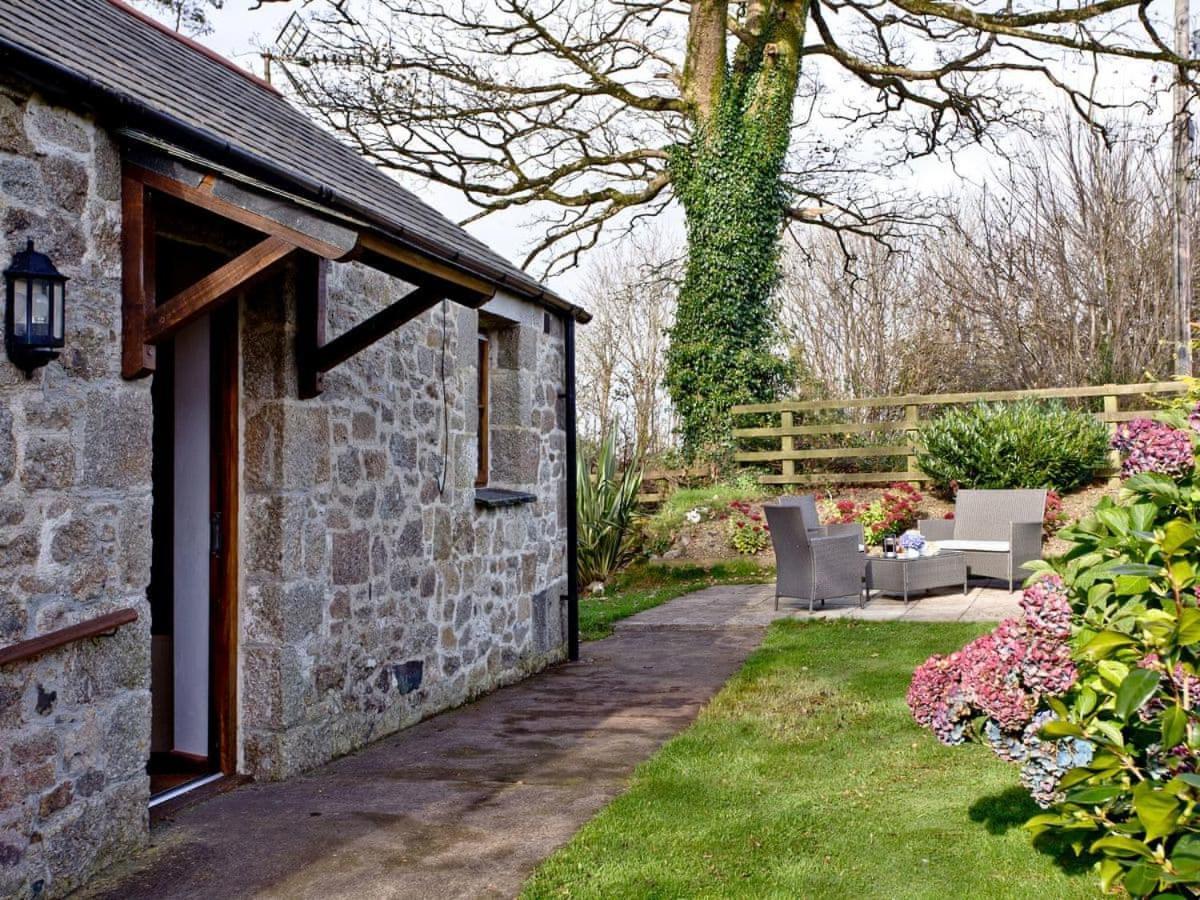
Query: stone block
[
  {"x": 8, "y": 446},
  {"x": 66, "y": 183},
  {"x": 13, "y": 138},
  {"x": 75, "y": 540},
  {"x": 53, "y": 126},
  {"x": 287, "y": 446},
  {"x": 21, "y": 182},
  {"x": 303, "y": 611},
  {"x": 274, "y": 529},
  {"x": 351, "y": 557},
  {"x": 514, "y": 456},
  {"x": 117, "y": 430}
]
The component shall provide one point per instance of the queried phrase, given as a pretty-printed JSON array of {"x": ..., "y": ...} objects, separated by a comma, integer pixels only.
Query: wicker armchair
[
  {"x": 999, "y": 531},
  {"x": 811, "y": 566},
  {"x": 812, "y": 520}
]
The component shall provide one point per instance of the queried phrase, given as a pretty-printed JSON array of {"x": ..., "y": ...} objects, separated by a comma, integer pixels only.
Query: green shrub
[
  {"x": 606, "y": 509},
  {"x": 1028, "y": 444}
]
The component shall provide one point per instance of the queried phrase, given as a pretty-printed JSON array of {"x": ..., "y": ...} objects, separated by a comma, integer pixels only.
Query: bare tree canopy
[
  {"x": 750, "y": 115},
  {"x": 578, "y": 103},
  {"x": 1056, "y": 273},
  {"x": 187, "y": 16},
  {"x": 621, "y": 359}
]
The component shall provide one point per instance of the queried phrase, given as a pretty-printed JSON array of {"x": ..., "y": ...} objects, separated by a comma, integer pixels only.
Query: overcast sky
[{"x": 239, "y": 30}]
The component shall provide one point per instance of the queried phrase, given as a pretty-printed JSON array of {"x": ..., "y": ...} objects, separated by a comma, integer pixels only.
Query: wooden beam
[
  {"x": 105, "y": 624},
  {"x": 203, "y": 197},
  {"x": 383, "y": 323},
  {"x": 215, "y": 289},
  {"x": 421, "y": 270},
  {"x": 137, "y": 277},
  {"x": 311, "y": 297}
]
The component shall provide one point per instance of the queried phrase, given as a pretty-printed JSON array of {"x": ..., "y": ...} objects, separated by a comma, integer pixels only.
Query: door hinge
[{"x": 214, "y": 540}]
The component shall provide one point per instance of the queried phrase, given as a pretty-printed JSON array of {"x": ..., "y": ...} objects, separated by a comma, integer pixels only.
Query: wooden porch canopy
[{"x": 292, "y": 228}]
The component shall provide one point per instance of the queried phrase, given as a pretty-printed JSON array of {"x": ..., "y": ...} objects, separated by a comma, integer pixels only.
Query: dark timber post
[{"x": 572, "y": 488}]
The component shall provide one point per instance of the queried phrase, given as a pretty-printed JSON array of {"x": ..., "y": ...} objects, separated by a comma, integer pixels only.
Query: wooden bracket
[
  {"x": 145, "y": 322},
  {"x": 314, "y": 356},
  {"x": 137, "y": 277},
  {"x": 214, "y": 289}
]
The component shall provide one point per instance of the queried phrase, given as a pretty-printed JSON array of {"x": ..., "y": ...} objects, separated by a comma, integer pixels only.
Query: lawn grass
[
  {"x": 646, "y": 585},
  {"x": 805, "y": 777}
]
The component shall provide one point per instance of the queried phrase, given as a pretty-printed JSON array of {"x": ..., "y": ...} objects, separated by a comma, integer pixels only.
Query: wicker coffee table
[{"x": 901, "y": 576}]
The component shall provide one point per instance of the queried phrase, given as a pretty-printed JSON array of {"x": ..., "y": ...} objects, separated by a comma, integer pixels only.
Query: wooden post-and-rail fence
[{"x": 899, "y": 418}]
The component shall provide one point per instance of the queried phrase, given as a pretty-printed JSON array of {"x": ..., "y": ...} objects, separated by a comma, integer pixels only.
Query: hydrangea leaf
[
  {"x": 1138, "y": 687},
  {"x": 1103, "y": 644},
  {"x": 1158, "y": 811},
  {"x": 1189, "y": 627},
  {"x": 1119, "y": 845},
  {"x": 1174, "y": 726}
]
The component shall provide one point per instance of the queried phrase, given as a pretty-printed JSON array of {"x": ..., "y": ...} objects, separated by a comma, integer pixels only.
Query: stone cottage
[{"x": 299, "y": 474}]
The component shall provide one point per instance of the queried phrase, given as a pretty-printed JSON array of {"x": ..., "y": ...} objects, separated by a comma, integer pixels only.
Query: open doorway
[{"x": 193, "y": 597}]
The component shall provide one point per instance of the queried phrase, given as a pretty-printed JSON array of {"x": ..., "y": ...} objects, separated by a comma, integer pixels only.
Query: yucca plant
[{"x": 606, "y": 509}]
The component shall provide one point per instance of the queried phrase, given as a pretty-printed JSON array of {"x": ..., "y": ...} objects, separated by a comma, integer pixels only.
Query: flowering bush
[
  {"x": 893, "y": 513},
  {"x": 748, "y": 532},
  {"x": 1095, "y": 690},
  {"x": 1148, "y": 446},
  {"x": 1055, "y": 517},
  {"x": 998, "y": 680}
]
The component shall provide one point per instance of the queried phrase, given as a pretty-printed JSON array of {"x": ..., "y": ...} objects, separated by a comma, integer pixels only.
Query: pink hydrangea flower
[
  {"x": 1001, "y": 676},
  {"x": 1047, "y": 609},
  {"x": 1147, "y": 446}
]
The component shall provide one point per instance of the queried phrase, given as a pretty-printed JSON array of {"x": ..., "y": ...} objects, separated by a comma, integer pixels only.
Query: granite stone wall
[
  {"x": 74, "y": 522},
  {"x": 375, "y": 591}
]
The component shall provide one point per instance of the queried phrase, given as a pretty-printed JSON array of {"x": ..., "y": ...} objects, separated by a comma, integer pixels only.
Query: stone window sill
[{"x": 495, "y": 498}]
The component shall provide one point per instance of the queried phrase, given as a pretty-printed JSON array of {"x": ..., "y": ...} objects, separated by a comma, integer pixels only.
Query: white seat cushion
[{"x": 982, "y": 546}]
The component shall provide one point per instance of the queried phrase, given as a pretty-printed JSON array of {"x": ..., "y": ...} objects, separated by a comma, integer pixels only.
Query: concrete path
[
  {"x": 468, "y": 803},
  {"x": 465, "y": 804},
  {"x": 746, "y": 606}
]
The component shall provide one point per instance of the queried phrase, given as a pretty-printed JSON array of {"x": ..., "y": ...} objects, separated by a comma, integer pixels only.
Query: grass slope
[
  {"x": 645, "y": 586},
  {"x": 805, "y": 777}
]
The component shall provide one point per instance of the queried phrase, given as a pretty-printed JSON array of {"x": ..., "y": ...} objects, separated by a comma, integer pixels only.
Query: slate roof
[{"x": 142, "y": 75}]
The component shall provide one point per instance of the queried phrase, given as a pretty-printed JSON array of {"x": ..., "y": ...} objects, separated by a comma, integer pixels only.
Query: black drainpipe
[{"x": 572, "y": 490}]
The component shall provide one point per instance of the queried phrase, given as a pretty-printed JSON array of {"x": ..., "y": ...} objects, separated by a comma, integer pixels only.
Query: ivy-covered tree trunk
[{"x": 728, "y": 179}]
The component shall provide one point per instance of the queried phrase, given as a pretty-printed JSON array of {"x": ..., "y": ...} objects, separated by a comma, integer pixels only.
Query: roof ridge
[{"x": 193, "y": 44}]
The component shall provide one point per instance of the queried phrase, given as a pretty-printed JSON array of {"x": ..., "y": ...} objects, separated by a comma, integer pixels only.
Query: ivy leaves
[{"x": 728, "y": 179}]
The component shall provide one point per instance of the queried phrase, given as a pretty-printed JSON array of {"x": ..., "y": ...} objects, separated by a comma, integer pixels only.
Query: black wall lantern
[{"x": 33, "y": 314}]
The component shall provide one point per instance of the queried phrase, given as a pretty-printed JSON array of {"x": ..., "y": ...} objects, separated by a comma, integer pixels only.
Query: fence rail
[{"x": 908, "y": 423}]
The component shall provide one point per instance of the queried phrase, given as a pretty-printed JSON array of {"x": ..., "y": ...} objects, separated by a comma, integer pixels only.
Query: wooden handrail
[{"x": 105, "y": 624}]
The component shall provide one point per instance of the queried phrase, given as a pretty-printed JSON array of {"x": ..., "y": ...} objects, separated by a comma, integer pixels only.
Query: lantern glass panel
[
  {"x": 58, "y": 311},
  {"x": 20, "y": 299},
  {"x": 40, "y": 309}
]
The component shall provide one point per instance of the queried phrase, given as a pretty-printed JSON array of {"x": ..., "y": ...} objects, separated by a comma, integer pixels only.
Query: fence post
[
  {"x": 788, "y": 442},
  {"x": 910, "y": 425},
  {"x": 1111, "y": 405}
]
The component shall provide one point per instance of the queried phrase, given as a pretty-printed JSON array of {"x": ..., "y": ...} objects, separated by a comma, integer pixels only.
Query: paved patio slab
[
  {"x": 753, "y": 605},
  {"x": 465, "y": 804}
]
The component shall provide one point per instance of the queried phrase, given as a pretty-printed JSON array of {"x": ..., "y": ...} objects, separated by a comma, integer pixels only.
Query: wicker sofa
[{"x": 998, "y": 530}]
